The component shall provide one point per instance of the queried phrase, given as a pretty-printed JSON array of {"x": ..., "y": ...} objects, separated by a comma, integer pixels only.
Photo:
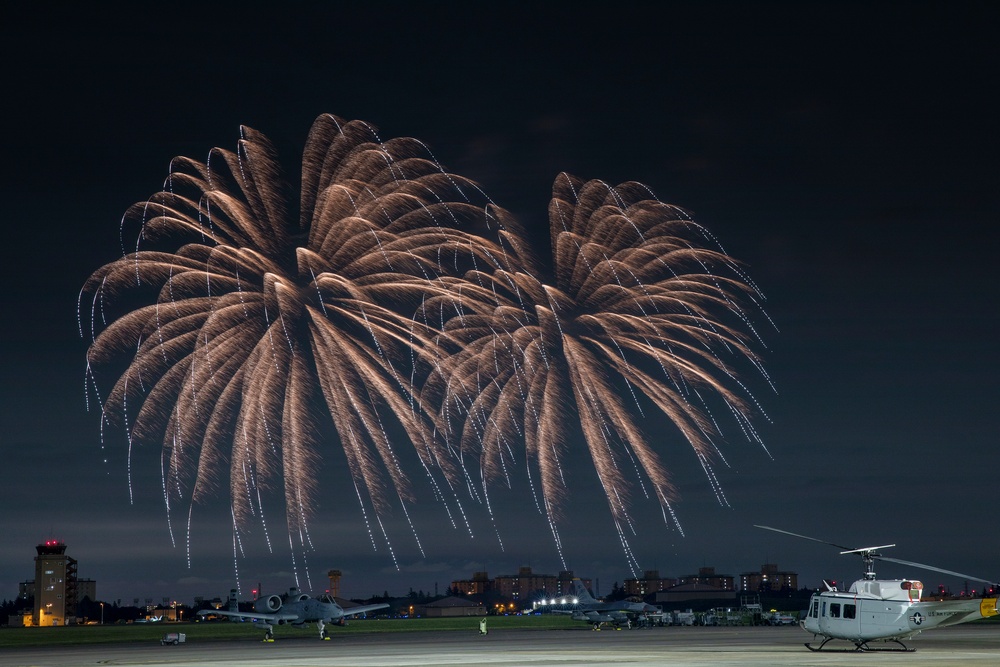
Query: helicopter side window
[
  {"x": 824, "y": 609},
  {"x": 835, "y": 610},
  {"x": 850, "y": 610},
  {"x": 815, "y": 609}
]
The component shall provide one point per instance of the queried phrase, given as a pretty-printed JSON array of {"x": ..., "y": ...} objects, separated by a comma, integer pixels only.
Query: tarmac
[{"x": 968, "y": 645}]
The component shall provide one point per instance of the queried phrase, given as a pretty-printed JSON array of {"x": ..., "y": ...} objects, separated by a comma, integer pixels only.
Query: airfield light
[{"x": 576, "y": 601}]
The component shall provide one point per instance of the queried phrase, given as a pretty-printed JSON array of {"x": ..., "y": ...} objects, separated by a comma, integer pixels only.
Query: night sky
[{"x": 845, "y": 152}]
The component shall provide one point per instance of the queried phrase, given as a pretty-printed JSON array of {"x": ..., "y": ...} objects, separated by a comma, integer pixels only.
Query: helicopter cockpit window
[
  {"x": 824, "y": 609},
  {"x": 815, "y": 609},
  {"x": 834, "y": 610},
  {"x": 850, "y": 610}
]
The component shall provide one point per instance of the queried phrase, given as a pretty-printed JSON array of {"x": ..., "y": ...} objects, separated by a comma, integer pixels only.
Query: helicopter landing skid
[{"x": 863, "y": 647}]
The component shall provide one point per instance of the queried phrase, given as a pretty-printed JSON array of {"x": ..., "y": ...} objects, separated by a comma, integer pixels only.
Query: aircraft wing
[
  {"x": 634, "y": 607},
  {"x": 592, "y": 617},
  {"x": 354, "y": 611},
  {"x": 270, "y": 618}
]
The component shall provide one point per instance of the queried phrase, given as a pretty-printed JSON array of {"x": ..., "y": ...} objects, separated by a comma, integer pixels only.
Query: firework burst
[
  {"x": 639, "y": 311},
  {"x": 247, "y": 319},
  {"x": 400, "y": 300}
]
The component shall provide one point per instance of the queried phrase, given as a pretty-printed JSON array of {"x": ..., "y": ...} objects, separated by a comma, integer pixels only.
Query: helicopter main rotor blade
[
  {"x": 936, "y": 569},
  {"x": 804, "y": 537},
  {"x": 867, "y": 550}
]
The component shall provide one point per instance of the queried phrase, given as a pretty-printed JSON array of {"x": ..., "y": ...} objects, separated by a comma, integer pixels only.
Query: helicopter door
[
  {"x": 852, "y": 619},
  {"x": 812, "y": 618},
  {"x": 838, "y": 617}
]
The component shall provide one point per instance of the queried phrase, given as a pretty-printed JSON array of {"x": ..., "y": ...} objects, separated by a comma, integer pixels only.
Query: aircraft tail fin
[{"x": 581, "y": 592}]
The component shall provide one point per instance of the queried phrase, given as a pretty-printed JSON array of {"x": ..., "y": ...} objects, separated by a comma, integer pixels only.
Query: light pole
[{"x": 102, "y": 613}]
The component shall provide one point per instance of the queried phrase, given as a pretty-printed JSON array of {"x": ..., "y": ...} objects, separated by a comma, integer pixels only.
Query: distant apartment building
[
  {"x": 56, "y": 588},
  {"x": 769, "y": 580},
  {"x": 706, "y": 576},
  {"x": 651, "y": 582},
  {"x": 520, "y": 586},
  {"x": 479, "y": 584}
]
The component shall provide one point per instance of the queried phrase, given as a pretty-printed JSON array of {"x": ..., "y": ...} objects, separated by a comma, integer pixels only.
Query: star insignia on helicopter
[{"x": 917, "y": 618}]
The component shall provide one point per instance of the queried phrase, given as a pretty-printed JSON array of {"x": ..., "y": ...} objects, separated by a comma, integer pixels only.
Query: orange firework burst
[
  {"x": 638, "y": 307},
  {"x": 255, "y": 317},
  {"x": 403, "y": 300}
]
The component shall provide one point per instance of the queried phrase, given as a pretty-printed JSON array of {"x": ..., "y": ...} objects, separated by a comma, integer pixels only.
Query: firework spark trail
[
  {"x": 257, "y": 315},
  {"x": 633, "y": 305}
]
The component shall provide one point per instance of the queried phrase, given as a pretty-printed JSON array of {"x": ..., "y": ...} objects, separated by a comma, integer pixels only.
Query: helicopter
[{"x": 886, "y": 610}]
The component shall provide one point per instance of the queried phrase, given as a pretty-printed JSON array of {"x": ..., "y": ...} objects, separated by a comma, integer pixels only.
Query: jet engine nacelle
[{"x": 267, "y": 605}]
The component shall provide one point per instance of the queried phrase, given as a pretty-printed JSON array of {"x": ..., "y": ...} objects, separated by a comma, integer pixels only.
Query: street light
[{"x": 102, "y": 613}]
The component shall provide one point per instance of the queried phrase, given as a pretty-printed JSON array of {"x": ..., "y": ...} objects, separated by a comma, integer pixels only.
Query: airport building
[
  {"x": 56, "y": 588},
  {"x": 450, "y": 606}
]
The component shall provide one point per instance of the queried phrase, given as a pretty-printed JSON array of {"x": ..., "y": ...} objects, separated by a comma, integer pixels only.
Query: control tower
[{"x": 55, "y": 585}]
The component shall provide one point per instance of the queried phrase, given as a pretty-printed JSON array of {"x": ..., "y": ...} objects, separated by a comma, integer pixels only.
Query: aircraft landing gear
[
  {"x": 322, "y": 630},
  {"x": 863, "y": 647},
  {"x": 903, "y": 648},
  {"x": 268, "y": 633}
]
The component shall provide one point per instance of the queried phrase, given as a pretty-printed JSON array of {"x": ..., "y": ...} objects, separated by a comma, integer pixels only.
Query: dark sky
[{"x": 846, "y": 152}]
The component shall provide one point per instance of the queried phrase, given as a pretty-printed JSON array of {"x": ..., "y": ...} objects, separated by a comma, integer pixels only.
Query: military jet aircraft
[
  {"x": 597, "y": 613},
  {"x": 294, "y": 608}
]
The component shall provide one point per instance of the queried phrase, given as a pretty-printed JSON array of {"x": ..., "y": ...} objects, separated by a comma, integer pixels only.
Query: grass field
[
  {"x": 224, "y": 630},
  {"x": 221, "y": 630}
]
